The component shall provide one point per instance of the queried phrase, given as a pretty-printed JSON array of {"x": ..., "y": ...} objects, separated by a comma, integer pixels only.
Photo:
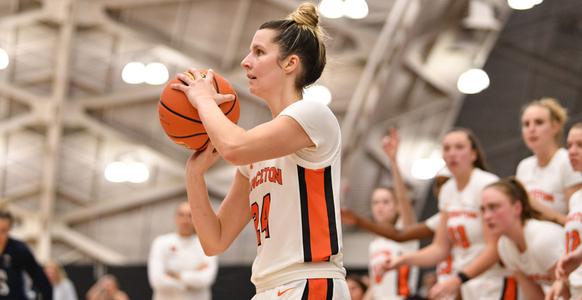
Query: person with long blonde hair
[{"x": 547, "y": 174}]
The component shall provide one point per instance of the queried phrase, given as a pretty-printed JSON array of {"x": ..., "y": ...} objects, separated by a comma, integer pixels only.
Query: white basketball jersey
[
  {"x": 547, "y": 184},
  {"x": 545, "y": 245},
  {"x": 464, "y": 216},
  {"x": 295, "y": 204},
  {"x": 465, "y": 231},
  {"x": 573, "y": 230},
  {"x": 396, "y": 284}
]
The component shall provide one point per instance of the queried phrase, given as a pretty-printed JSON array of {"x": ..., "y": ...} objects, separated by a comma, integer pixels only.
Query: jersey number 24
[{"x": 262, "y": 222}]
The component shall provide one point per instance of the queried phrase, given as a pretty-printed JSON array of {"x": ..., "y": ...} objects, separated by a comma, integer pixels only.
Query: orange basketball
[{"x": 180, "y": 119}]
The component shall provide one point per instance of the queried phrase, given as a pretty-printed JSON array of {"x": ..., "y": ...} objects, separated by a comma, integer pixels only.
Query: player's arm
[
  {"x": 485, "y": 260},
  {"x": 547, "y": 212},
  {"x": 416, "y": 231},
  {"x": 530, "y": 289},
  {"x": 276, "y": 138},
  {"x": 279, "y": 137},
  {"x": 571, "y": 190},
  {"x": 568, "y": 263},
  {"x": 216, "y": 230},
  {"x": 36, "y": 273},
  {"x": 390, "y": 146},
  {"x": 434, "y": 253}
]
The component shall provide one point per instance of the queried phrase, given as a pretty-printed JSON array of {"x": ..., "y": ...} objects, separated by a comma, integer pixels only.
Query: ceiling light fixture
[
  {"x": 355, "y": 9},
  {"x": 133, "y": 73},
  {"x": 523, "y": 4},
  {"x": 4, "y": 59},
  {"x": 317, "y": 93},
  {"x": 331, "y": 9},
  {"x": 473, "y": 81},
  {"x": 156, "y": 73}
]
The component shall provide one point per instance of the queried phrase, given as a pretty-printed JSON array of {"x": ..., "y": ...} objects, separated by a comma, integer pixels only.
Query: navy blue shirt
[{"x": 15, "y": 261}]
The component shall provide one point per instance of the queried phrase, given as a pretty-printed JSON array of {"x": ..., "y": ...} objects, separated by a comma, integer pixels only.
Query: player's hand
[
  {"x": 174, "y": 275},
  {"x": 567, "y": 263},
  {"x": 348, "y": 216},
  {"x": 199, "y": 87},
  {"x": 391, "y": 262},
  {"x": 447, "y": 289},
  {"x": 200, "y": 161},
  {"x": 559, "y": 290},
  {"x": 390, "y": 144},
  {"x": 202, "y": 266}
]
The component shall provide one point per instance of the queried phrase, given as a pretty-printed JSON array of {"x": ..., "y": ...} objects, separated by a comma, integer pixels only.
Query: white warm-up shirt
[{"x": 184, "y": 256}]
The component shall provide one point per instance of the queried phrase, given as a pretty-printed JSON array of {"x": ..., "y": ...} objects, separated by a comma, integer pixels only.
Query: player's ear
[{"x": 291, "y": 63}]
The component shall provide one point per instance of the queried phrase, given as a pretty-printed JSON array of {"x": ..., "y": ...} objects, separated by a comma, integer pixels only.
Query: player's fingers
[
  {"x": 178, "y": 87},
  {"x": 222, "y": 98},
  {"x": 185, "y": 78},
  {"x": 210, "y": 75},
  {"x": 197, "y": 74}
]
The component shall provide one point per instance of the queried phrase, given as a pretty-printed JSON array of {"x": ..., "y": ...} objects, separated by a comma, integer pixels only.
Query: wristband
[{"x": 463, "y": 277}]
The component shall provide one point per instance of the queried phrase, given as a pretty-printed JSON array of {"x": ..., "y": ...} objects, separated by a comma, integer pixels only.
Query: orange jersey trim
[
  {"x": 510, "y": 291},
  {"x": 320, "y": 238},
  {"x": 318, "y": 289}
]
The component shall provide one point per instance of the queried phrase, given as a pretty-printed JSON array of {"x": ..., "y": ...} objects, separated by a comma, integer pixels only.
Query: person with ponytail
[
  {"x": 288, "y": 177},
  {"x": 547, "y": 174},
  {"x": 528, "y": 247}
]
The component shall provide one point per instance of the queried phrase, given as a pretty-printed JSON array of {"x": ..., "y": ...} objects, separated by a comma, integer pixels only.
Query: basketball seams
[{"x": 179, "y": 114}]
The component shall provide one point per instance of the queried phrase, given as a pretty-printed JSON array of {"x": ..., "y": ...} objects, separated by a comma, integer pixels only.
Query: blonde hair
[{"x": 558, "y": 113}]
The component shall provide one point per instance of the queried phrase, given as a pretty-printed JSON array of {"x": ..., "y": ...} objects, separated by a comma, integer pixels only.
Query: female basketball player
[
  {"x": 568, "y": 265},
  {"x": 460, "y": 231},
  {"x": 389, "y": 205},
  {"x": 288, "y": 179},
  {"x": 547, "y": 174},
  {"x": 529, "y": 247}
]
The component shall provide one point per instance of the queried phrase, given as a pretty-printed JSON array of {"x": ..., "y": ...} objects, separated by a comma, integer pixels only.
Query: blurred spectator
[
  {"x": 178, "y": 269},
  {"x": 358, "y": 287},
  {"x": 106, "y": 288},
  {"x": 16, "y": 259},
  {"x": 63, "y": 288}
]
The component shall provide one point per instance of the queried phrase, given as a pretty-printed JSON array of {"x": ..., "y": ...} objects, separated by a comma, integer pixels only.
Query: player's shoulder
[
  {"x": 485, "y": 176},
  {"x": 309, "y": 108},
  {"x": 543, "y": 233},
  {"x": 527, "y": 163}
]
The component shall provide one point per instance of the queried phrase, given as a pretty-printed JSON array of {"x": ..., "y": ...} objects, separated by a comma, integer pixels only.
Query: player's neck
[
  {"x": 281, "y": 100},
  {"x": 516, "y": 234},
  {"x": 462, "y": 179},
  {"x": 545, "y": 156},
  {"x": 185, "y": 234}
]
